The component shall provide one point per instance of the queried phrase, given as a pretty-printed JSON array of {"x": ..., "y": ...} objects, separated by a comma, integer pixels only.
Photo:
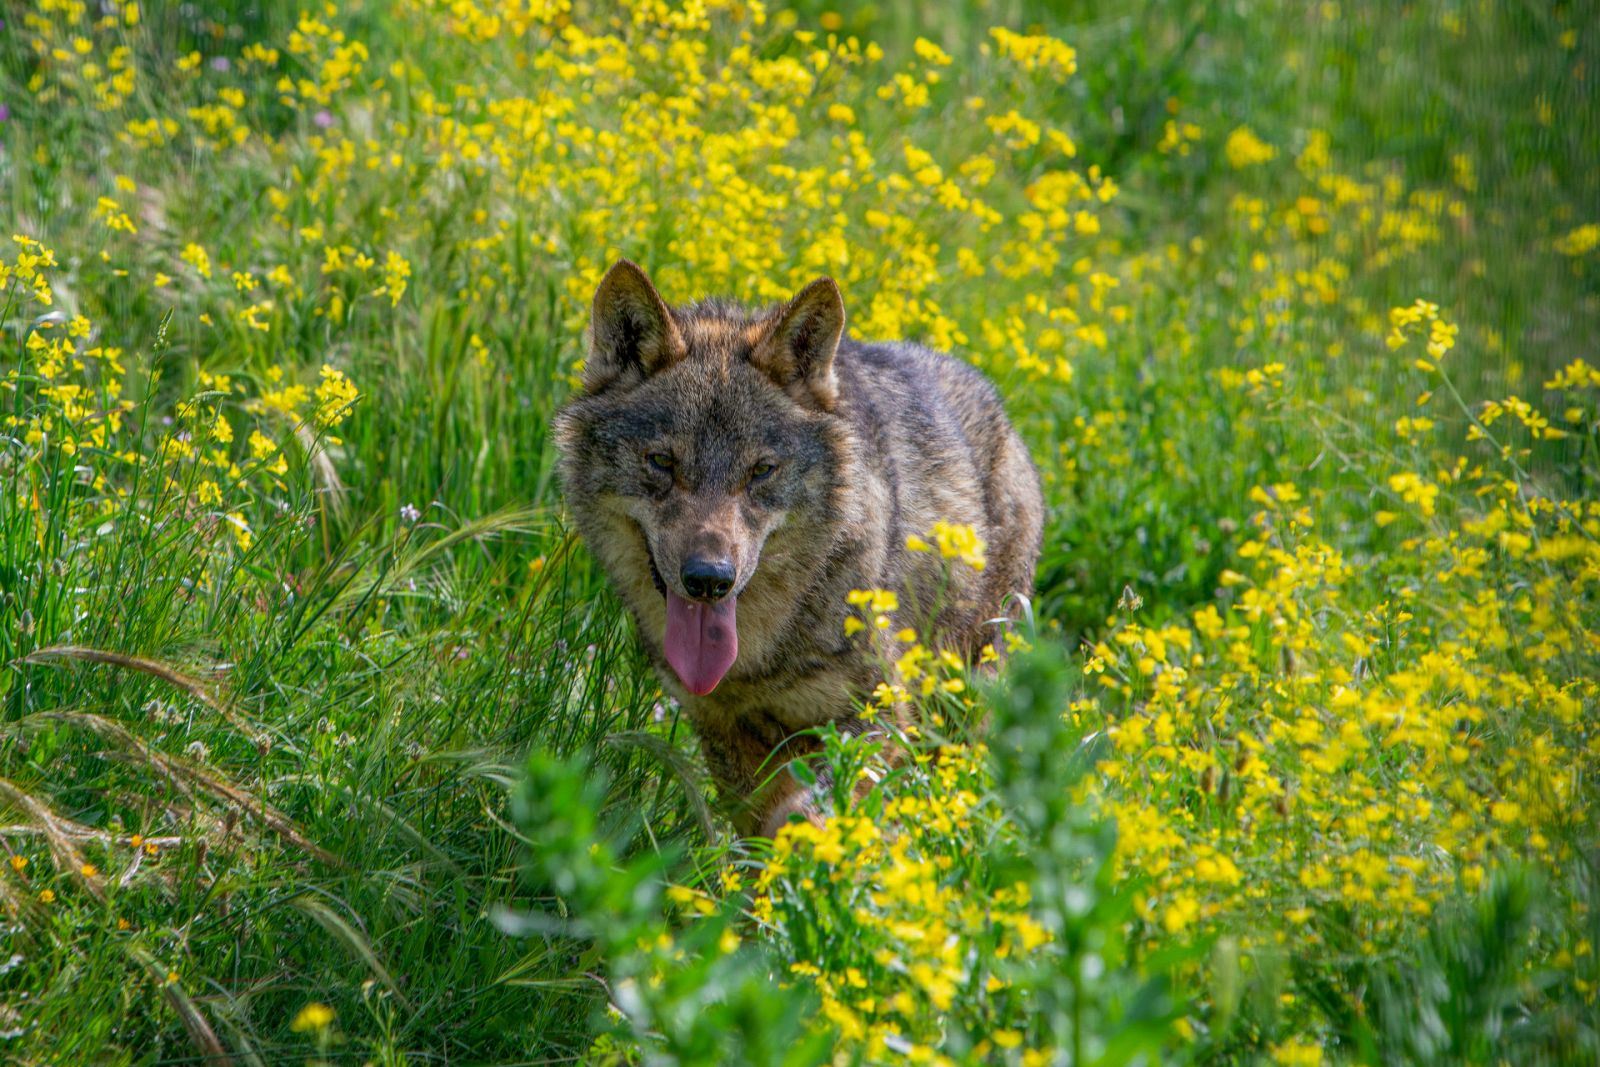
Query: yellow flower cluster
[
  {"x": 901, "y": 937},
  {"x": 1244, "y": 149},
  {"x": 954, "y": 541},
  {"x": 1422, "y": 315},
  {"x": 312, "y": 1018},
  {"x": 1581, "y": 241},
  {"x": 335, "y": 394},
  {"x": 1036, "y": 52},
  {"x": 71, "y": 400},
  {"x": 731, "y": 146},
  {"x": 28, "y": 267},
  {"x": 1243, "y": 738}
]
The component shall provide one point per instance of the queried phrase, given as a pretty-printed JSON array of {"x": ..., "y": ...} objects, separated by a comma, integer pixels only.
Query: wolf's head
[{"x": 700, "y": 433}]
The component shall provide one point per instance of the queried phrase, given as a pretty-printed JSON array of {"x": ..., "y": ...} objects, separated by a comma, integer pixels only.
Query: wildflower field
[{"x": 323, "y": 740}]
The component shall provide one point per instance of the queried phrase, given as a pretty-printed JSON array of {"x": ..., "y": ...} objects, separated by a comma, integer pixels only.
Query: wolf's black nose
[{"x": 707, "y": 579}]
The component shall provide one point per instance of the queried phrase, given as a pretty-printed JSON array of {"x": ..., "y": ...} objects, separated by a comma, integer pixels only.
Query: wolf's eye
[
  {"x": 762, "y": 471},
  {"x": 661, "y": 461}
]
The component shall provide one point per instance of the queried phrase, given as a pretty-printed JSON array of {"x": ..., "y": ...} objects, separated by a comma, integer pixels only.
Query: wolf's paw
[{"x": 796, "y": 802}]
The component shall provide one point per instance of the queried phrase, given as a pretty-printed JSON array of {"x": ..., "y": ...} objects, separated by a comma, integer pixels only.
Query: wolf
[{"x": 737, "y": 472}]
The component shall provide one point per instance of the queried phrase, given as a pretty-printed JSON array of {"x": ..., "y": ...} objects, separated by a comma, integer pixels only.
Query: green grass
[{"x": 323, "y": 729}]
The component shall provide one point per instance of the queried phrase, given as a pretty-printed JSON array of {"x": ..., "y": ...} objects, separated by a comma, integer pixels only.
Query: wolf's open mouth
[
  {"x": 701, "y": 640},
  {"x": 655, "y": 574}
]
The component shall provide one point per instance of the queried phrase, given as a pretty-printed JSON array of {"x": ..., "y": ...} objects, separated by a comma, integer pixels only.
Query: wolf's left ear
[
  {"x": 797, "y": 352},
  {"x": 631, "y": 332}
]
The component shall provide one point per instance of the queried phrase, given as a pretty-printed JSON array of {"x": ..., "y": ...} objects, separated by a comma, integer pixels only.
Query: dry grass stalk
[{"x": 208, "y": 696}]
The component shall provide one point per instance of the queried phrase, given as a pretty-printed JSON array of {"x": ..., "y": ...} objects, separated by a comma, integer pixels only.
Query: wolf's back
[{"x": 935, "y": 432}]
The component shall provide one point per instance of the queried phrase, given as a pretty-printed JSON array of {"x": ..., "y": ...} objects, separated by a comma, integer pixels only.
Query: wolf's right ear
[{"x": 631, "y": 331}]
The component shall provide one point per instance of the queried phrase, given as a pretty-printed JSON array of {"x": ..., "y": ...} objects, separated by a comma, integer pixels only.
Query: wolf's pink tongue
[{"x": 702, "y": 641}]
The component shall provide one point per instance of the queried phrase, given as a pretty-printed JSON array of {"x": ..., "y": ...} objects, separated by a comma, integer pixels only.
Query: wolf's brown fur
[{"x": 868, "y": 443}]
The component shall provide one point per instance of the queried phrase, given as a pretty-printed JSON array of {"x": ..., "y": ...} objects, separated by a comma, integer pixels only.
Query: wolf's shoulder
[
  {"x": 907, "y": 378},
  {"x": 906, "y": 358}
]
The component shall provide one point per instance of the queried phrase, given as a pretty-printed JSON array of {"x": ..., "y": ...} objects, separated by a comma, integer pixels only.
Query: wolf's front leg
[
  {"x": 748, "y": 757},
  {"x": 783, "y": 797}
]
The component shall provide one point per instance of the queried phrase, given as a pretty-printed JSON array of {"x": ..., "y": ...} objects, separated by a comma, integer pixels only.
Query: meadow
[{"x": 322, "y": 740}]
